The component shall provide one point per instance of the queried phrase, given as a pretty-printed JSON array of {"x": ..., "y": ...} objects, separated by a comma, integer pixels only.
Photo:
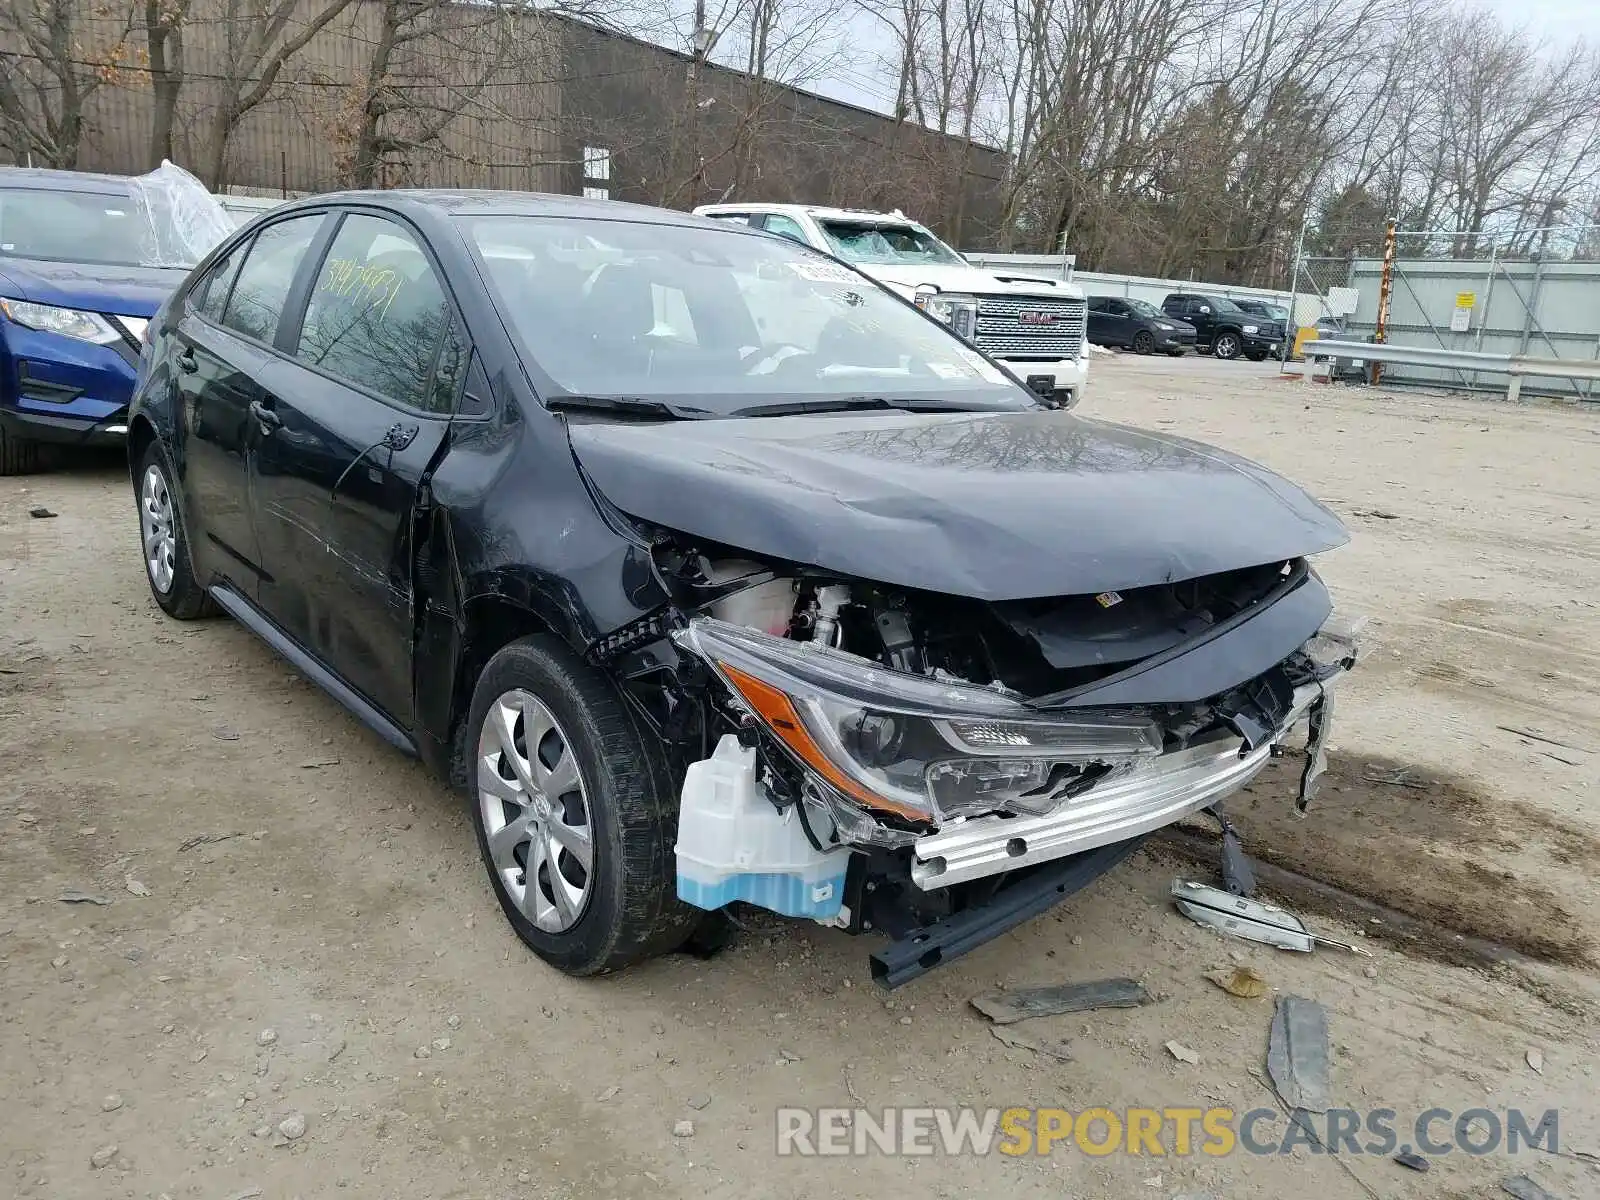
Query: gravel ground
[{"x": 301, "y": 986}]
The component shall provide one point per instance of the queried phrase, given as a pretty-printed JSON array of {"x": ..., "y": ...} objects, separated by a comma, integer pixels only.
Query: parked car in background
[
  {"x": 85, "y": 261},
  {"x": 712, "y": 571},
  {"x": 1276, "y": 313},
  {"x": 1034, "y": 327},
  {"x": 244, "y": 209},
  {"x": 1224, "y": 328},
  {"x": 1137, "y": 325}
]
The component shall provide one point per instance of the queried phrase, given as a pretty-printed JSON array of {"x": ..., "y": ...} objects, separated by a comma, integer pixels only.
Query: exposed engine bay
[{"x": 881, "y": 758}]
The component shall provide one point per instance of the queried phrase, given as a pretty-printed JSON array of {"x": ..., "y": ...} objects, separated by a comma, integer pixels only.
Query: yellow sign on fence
[{"x": 1466, "y": 299}]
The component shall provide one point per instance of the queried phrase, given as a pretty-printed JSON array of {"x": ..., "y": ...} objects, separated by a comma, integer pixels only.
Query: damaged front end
[{"x": 942, "y": 768}]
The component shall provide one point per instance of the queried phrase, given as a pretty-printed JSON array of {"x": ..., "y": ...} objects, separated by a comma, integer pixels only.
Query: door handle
[
  {"x": 265, "y": 417},
  {"x": 187, "y": 363}
]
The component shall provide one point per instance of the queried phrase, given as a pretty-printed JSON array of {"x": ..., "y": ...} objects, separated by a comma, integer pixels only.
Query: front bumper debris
[
  {"x": 917, "y": 951},
  {"x": 1152, "y": 794}
]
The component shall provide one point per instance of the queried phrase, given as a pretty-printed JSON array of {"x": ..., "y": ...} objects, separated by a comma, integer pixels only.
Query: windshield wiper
[
  {"x": 632, "y": 406},
  {"x": 860, "y": 404}
]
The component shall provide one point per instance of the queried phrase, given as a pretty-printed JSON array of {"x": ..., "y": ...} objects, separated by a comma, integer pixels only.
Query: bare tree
[
  {"x": 54, "y": 55},
  {"x": 261, "y": 38}
]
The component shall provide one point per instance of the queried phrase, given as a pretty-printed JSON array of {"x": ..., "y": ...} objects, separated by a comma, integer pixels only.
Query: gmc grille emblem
[{"x": 1036, "y": 318}]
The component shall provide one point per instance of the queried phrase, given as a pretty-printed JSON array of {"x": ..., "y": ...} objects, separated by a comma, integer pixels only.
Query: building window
[
  {"x": 596, "y": 164},
  {"x": 596, "y": 193}
]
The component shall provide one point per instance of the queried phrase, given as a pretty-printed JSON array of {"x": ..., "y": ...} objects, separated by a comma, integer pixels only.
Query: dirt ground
[{"x": 298, "y": 926}]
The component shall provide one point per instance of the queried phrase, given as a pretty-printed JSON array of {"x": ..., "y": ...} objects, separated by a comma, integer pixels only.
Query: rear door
[
  {"x": 1100, "y": 321},
  {"x": 360, "y": 404},
  {"x": 224, "y": 339}
]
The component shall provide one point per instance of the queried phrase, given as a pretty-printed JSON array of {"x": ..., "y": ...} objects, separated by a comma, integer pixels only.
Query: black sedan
[
  {"x": 711, "y": 571},
  {"x": 1137, "y": 325}
]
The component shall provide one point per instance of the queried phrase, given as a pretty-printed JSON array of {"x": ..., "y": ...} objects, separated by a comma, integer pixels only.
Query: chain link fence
[{"x": 1524, "y": 292}]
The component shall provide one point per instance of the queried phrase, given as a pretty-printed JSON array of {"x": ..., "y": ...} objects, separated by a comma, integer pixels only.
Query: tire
[
  {"x": 1226, "y": 345},
  {"x": 164, "y": 542},
  {"x": 1144, "y": 342},
  {"x": 1256, "y": 357},
  {"x": 615, "y": 805},
  {"x": 18, "y": 455}
]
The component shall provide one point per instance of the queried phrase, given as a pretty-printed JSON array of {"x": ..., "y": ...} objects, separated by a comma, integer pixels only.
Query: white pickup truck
[{"x": 1034, "y": 327}]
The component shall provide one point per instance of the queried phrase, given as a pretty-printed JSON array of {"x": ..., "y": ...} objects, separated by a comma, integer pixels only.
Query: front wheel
[
  {"x": 575, "y": 816},
  {"x": 1144, "y": 342},
  {"x": 1226, "y": 345},
  {"x": 18, "y": 455}
]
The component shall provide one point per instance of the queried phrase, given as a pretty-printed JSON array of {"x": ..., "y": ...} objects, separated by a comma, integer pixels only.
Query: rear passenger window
[
  {"x": 377, "y": 314},
  {"x": 269, "y": 268}
]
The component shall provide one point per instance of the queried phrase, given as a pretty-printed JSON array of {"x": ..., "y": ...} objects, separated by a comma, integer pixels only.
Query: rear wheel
[
  {"x": 1226, "y": 345},
  {"x": 18, "y": 455},
  {"x": 1144, "y": 342},
  {"x": 164, "y": 542},
  {"x": 575, "y": 817}
]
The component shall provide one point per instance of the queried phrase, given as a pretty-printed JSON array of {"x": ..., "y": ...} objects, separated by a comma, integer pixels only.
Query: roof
[
  {"x": 815, "y": 210},
  {"x": 63, "y": 181},
  {"x": 486, "y": 203}
]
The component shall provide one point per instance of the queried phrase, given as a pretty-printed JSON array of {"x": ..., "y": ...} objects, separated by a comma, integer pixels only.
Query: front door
[{"x": 355, "y": 417}]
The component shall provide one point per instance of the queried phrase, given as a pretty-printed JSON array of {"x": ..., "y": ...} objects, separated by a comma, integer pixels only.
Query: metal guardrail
[{"x": 1517, "y": 366}]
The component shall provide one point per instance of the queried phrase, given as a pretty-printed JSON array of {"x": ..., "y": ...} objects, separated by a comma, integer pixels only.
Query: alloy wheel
[
  {"x": 535, "y": 811},
  {"x": 157, "y": 529}
]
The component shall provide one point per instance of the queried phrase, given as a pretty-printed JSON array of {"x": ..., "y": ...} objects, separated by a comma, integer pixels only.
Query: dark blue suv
[{"x": 82, "y": 271}]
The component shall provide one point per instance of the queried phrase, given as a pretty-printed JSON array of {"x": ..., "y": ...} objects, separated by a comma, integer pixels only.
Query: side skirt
[{"x": 248, "y": 615}]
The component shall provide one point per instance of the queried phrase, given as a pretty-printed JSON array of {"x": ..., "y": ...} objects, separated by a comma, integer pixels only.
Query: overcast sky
[
  {"x": 1560, "y": 19},
  {"x": 861, "y": 78}
]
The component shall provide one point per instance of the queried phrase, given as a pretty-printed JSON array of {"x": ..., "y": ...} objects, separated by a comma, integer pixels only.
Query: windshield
[
  {"x": 887, "y": 245},
  {"x": 1144, "y": 308},
  {"x": 164, "y": 218},
  {"x": 716, "y": 319},
  {"x": 100, "y": 228},
  {"x": 1223, "y": 304}
]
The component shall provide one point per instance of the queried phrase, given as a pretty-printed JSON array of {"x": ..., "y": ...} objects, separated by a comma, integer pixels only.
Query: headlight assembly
[
  {"x": 911, "y": 745},
  {"x": 1251, "y": 329},
  {"x": 958, "y": 312},
  {"x": 68, "y": 322}
]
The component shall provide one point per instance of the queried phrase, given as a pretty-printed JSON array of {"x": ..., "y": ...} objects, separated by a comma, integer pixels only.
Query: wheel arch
[
  {"x": 141, "y": 432},
  {"x": 490, "y": 621}
]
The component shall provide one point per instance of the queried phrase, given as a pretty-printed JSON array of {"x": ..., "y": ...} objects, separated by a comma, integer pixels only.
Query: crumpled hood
[
  {"x": 993, "y": 506},
  {"x": 967, "y": 280},
  {"x": 126, "y": 291}
]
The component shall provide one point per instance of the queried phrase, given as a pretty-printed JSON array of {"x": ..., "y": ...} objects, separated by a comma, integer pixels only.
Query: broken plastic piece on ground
[
  {"x": 1021, "y": 1041},
  {"x": 1244, "y": 982},
  {"x": 1524, "y": 1188},
  {"x": 1005, "y": 1007},
  {"x": 1416, "y": 1162},
  {"x": 1249, "y": 919},
  {"x": 76, "y": 897},
  {"x": 1182, "y": 1053},
  {"x": 1297, "y": 1053},
  {"x": 40, "y": 511}
]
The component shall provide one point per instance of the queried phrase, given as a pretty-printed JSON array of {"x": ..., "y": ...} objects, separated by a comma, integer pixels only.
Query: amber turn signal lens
[{"x": 777, "y": 710}]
